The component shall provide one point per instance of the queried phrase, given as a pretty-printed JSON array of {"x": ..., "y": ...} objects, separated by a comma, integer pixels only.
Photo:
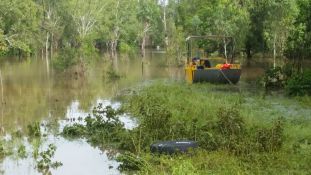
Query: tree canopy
[{"x": 281, "y": 28}]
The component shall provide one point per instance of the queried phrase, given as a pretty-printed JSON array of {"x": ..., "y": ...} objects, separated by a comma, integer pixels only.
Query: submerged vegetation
[
  {"x": 234, "y": 137},
  {"x": 44, "y": 163}
]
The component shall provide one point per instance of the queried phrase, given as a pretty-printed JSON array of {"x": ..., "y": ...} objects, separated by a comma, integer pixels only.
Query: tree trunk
[
  {"x": 1, "y": 83},
  {"x": 143, "y": 43},
  {"x": 225, "y": 47},
  {"x": 165, "y": 26},
  {"x": 2, "y": 103},
  {"x": 143, "y": 51},
  {"x": 274, "y": 51},
  {"x": 51, "y": 46},
  {"x": 47, "y": 52}
]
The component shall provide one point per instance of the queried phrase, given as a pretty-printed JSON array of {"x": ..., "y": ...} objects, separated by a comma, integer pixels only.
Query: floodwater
[{"x": 31, "y": 95}]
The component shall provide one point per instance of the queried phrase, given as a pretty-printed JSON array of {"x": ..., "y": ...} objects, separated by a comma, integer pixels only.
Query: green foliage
[
  {"x": 299, "y": 40},
  {"x": 66, "y": 58},
  {"x": 274, "y": 78},
  {"x": 299, "y": 84},
  {"x": 21, "y": 151},
  {"x": 76, "y": 130},
  {"x": 44, "y": 163},
  {"x": 132, "y": 162},
  {"x": 34, "y": 130},
  {"x": 2, "y": 151},
  {"x": 101, "y": 128},
  {"x": 19, "y": 22},
  {"x": 271, "y": 139}
]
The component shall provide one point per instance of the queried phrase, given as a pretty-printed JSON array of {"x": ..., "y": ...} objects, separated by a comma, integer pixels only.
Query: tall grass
[{"x": 239, "y": 132}]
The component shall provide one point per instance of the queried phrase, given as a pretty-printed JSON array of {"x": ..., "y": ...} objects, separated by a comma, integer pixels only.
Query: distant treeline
[{"x": 278, "y": 27}]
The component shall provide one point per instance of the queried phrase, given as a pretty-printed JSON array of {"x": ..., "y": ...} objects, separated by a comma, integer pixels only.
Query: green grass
[{"x": 202, "y": 103}]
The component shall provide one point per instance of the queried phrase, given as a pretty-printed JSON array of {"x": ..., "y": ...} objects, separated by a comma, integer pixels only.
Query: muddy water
[{"x": 31, "y": 95}]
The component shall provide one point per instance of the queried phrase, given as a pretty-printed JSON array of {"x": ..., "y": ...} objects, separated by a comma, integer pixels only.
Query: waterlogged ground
[
  {"x": 32, "y": 95},
  {"x": 77, "y": 156},
  {"x": 55, "y": 100}
]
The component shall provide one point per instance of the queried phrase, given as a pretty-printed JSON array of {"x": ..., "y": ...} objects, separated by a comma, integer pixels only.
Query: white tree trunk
[
  {"x": 47, "y": 52},
  {"x": 51, "y": 46},
  {"x": 165, "y": 25},
  {"x": 225, "y": 48},
  {"x": 2, "y": 102},
  {"x": 1, "y": 83},
  {"x": 274, "y": 51},
  {"x": 143, "y": 43}
]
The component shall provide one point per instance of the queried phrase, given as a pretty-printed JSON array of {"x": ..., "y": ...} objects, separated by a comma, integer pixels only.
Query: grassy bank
[{"x": 238, "y": 132}]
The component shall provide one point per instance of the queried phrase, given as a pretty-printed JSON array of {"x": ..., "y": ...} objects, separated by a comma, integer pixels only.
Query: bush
[
  {"x": 66, "y": 59},
  {"x": 299, "y": 84},
  {"x": 274, "y": 78}
]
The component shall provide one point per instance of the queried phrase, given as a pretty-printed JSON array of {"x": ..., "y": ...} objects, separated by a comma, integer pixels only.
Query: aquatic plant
[
  {"x": 34, "y": 130},
  {"x": 103, "y": 126},
  {"x": 21, "y": 151},
  {"x": 45, "y": 160}
]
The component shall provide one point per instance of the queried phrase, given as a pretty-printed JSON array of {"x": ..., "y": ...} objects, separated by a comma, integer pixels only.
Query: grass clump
[
  {"x": 101, "y": 128},
  {"x": 34, "y": 130}
]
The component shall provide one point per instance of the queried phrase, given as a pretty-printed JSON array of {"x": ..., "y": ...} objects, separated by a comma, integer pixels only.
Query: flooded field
[
  {"x": 54, "y": 100},
  {"x": 31, "y": 95}
]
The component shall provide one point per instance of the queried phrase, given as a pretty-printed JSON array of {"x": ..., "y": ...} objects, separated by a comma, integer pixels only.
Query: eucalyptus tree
[
  {"x": 148, "y": 14},
  {"x": 229, "y": 18},
  {"x": 118, "y": 22},
  {"x": 280, "y": 20},
  {"x": 85, "y": 15}
]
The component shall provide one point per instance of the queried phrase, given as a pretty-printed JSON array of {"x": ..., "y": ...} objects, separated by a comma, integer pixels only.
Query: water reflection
[
  {"x": 31, "y": 95},
  {"x": 77, "y": 156}
]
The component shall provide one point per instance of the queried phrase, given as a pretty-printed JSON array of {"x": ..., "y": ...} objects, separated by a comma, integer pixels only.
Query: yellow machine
[{"x": 200, "y": 70}]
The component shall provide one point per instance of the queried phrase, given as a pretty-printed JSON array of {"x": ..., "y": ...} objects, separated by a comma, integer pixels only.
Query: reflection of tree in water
[
  {"x": 1, "y": 102},
  {"x": 30, "y": 95}
]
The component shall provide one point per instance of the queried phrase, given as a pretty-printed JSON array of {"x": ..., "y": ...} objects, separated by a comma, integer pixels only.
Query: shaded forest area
[{"x": 274, "y": 27}]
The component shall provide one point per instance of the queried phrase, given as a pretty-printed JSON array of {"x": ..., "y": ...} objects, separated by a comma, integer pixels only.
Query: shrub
[
  {"x": 270, "y": 139},
  {"x": 66, "y": 59},
  {"x": 274, "y": 78},
  {"x": 299, "y": 84}
]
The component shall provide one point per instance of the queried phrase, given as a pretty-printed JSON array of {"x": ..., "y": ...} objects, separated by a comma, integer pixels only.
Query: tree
[
  {"x": 280, "y": 20},
  {"x": 119, "y": 21},
  {"x": 19, "y": 25},
  {"x": 298, "y": 44},
  {"x": 85, "y": 14},
  {"x": 223, "y": 17},
  {"x": 148, "y": 14}
]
